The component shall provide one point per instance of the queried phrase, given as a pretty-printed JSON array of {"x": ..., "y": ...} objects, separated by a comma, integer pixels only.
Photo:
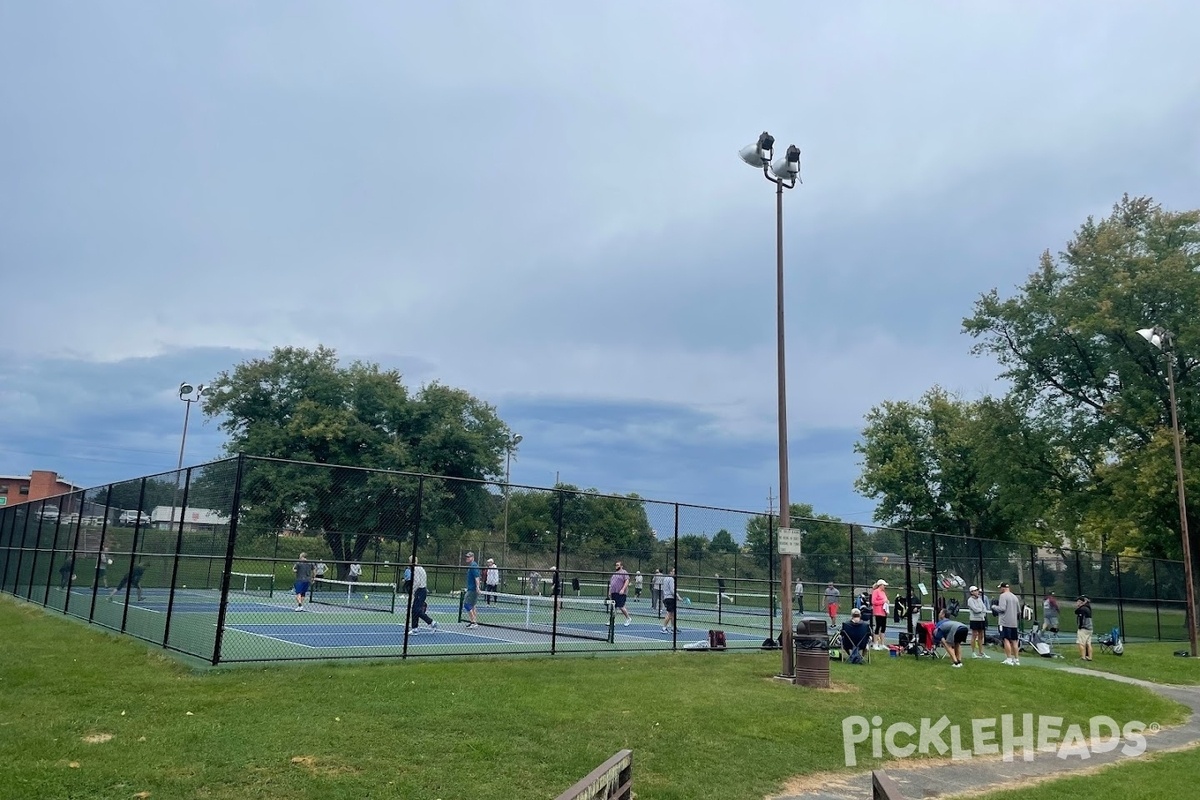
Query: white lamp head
[
  {"x": 759, "y": 153},
  {"x": 516, "y": 439},
  {"x": 185, "y": 388},
  {"x": 788, "y": 167},
  {"x": 1153, "y": 336}
]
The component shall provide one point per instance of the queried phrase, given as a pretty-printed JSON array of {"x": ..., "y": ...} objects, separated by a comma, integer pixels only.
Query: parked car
[
  {"x": 48, "y": 514},
  {"x": 130, "y": 518},
  {"x": 70, "y": 519}
]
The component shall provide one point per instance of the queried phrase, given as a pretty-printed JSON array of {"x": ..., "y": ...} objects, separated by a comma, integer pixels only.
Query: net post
[{"x": 235, "y": 508}]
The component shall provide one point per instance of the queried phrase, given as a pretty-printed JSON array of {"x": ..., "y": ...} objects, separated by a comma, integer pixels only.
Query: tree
[
  {"x": 693, "y": 546},
  {"x": 762, "y": 551},
  {"x": 1088, "y": 389},
  {"x": 932, "y": 465},
  {"x": 303, "y": 406},
  {"x": 722, "y": 542},
  {"x": 128, "y": 495}
]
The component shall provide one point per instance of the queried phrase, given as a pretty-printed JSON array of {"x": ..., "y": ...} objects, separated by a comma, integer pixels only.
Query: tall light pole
[
  {"x": 785, "y": 174},
  {"x": 188, "y": 394},
  {"x": 1163, "y": 339},
  {"x": 510, "y": 446}
]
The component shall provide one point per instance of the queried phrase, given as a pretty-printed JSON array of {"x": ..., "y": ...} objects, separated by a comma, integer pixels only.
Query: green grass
[
  {"x": 700, "y": 724},
  {"x": 1162, "y": 775},
  {"x": 1150, "y": 661}
]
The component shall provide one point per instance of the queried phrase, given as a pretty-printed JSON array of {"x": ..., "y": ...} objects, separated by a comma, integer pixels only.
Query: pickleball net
[
  {"x": 576, "y": 617},
  {"x": 254, "y": 583},
  {"x": 360, "y": 595}
]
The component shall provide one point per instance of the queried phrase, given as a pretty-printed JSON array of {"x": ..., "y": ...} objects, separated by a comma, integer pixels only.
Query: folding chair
[
  {"x": 1111, "y": 642},
  {"x": 853, "y": 646}
]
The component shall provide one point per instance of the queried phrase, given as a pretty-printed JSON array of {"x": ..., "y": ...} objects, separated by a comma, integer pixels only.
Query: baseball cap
[
  {"x": 974, "y": 588},
  {"x": 881, "y": 582},
  {"x": 1003, "y": 586},
  {"x": 855, "y": 613},
  {"x": 470, "y": 555},
  {"x": 1083, "y": 597}
]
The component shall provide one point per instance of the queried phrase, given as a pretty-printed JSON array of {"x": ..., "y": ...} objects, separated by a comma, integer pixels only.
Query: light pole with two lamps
[
  {"x": 188, "y": 394},
  {"x": 1163, "y": 339},
  {"x": 510, "y": 446},
  {"x": 785, "y": 174}
]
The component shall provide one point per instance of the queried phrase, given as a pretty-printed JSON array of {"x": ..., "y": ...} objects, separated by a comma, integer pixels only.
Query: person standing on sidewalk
[
  {"x": 1009, "y": 609},
  {"x": 420, "y": 595}
]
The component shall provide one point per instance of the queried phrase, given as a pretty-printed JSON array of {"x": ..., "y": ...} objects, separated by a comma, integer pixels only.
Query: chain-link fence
[{"x": 253, "y": 559}]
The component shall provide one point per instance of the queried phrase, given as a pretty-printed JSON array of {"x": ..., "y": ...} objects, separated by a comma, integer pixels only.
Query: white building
[{"x": 194, "y": 519}]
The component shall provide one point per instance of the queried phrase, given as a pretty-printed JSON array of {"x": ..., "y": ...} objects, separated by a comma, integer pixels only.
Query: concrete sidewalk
[{"x": 943, "y": 778}]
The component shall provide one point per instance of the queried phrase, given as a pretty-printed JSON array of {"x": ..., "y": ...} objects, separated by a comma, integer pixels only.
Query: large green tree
[
  {"x": 1088, "y": 391},
  {"x": 302, "y": 405},
  {"x": 826, "y": 542}
]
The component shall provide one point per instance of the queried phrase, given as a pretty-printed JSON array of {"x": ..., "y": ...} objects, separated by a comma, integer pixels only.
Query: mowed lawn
[{"x": 85, "y": 714}]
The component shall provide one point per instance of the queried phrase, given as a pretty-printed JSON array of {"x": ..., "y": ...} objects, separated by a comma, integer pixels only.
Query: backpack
[
  {"x": 716, "y": 640},
  {"x": 952, "y": 608}
]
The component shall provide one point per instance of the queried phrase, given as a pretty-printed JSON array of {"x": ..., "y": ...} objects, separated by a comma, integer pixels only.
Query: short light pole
[
  {"x": 785, "y": 174},
  {"x": 1163, "y": 340},
  {"x": 509, "y": 447},
  {"x": 188, "y": 394}
]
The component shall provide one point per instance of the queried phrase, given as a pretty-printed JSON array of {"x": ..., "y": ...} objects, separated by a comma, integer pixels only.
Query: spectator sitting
[{"x": 856, "y": 636}]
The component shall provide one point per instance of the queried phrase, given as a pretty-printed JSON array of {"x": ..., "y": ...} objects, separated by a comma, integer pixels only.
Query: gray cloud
[{"x": 542, "y": 203}]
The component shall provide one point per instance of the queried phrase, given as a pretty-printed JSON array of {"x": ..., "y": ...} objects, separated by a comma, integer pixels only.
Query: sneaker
[
  {"x": 298, "y": 608},
  {"x": 433, "y": 625},
  {"x": 626, "y": 622},
  {"x": 976, "y": 655},
  {"x": 473, "y": 625},
  {"x": 1016, "y": 662},
  {"x": 664, "y": 630},
  {"x": 985, "y": 655},
  {"x": 1008, "y": 661},
  {"x": 414, "y": 631},
  {"x": 956, "y": 666}
]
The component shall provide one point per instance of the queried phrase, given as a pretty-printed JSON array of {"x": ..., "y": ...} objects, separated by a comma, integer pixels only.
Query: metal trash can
[{"x": 811, "y": 644}]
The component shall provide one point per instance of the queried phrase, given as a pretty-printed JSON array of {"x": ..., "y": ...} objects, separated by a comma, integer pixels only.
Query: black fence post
[
  {"x": 133, "y": 554},
  {"x": 852, "y": 526},
  {"x": 187, "y": 487},
  {"x": 103, "y": 541},
  {"x": 770, "y": 564},
  {"x": 908, "y": 587},
  {"x": 1078, "y": 575},
  {"x": 557, "y": 578},
  {"x": 1157, "y": 599},
  {"x": 411, "y": 565},
  {"x": 1120, "y": 599},
  {"x": 1033, "y": 580},
  {"x": 675, "y": 559},
  {"x": 234, "y": 517}
]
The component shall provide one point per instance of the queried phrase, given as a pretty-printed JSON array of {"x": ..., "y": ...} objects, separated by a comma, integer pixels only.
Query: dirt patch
[
  {"x": 325, "y": 767},
  {"x": 98, "y": 738}
]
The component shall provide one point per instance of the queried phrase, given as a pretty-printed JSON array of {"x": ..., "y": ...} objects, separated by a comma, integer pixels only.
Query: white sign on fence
[{"x": 791, "y": 541}]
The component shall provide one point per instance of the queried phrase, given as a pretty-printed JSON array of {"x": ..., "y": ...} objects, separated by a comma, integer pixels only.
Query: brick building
[{"x": 37, "y": 484}]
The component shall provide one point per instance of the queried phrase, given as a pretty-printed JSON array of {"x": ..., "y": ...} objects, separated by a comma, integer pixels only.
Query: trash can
[{"x": 811, "y": 646}]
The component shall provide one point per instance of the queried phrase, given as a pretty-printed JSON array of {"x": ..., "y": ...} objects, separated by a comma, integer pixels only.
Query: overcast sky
[{"x": 541, "y": 202}]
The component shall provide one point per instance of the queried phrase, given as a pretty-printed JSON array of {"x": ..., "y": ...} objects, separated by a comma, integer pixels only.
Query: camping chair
[
  {"x": 856, "y": 648},
  {"x": 1111, "y": 642}
]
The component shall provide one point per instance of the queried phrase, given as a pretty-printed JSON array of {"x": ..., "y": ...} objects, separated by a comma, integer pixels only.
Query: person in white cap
[
  {"x": 977, "y": 619},
  {"x": 879, "y": 610},
  {"x": 491, "y": 581}
]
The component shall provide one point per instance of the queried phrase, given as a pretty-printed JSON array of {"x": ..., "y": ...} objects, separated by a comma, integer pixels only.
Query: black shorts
[
  {"x": 669, "y": 604},
  {"x": 618, "y": 599},
  {"x": 880, "y": 624},
  {"x": 1009, "y": 634},
  {"x": 960, "y": 635},
  {"x": 979, "y": 624}
]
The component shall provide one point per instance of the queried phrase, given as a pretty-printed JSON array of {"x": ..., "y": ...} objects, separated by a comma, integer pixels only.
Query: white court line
[{"x": 266, "y": 636}]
